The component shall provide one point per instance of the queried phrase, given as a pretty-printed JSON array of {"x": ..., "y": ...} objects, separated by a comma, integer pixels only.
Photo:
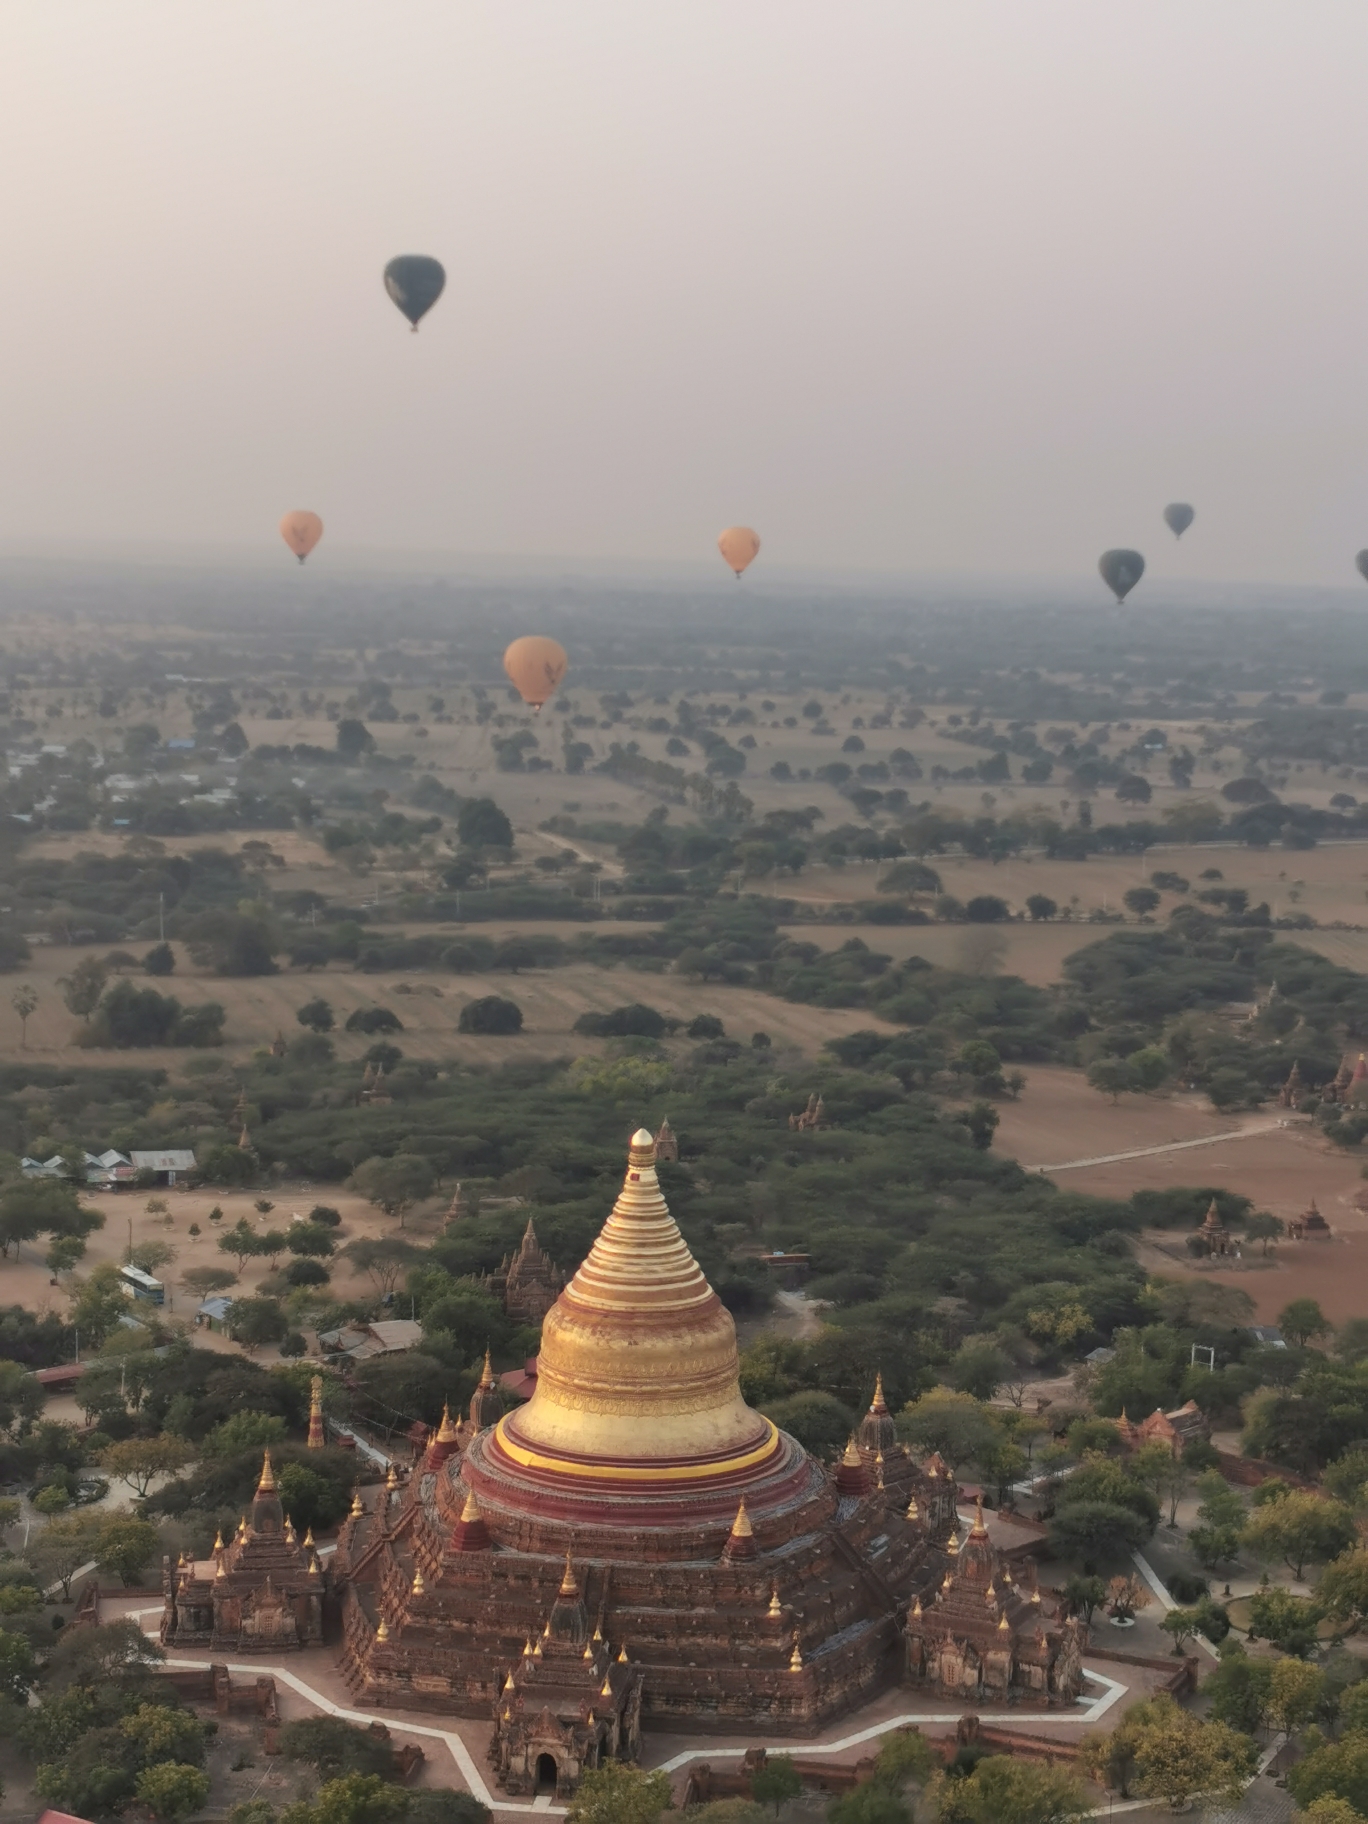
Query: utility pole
[{"x": 161, "y": 916}]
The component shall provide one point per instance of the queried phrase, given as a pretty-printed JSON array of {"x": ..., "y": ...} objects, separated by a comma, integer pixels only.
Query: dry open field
[{"x": 429, "y": 1006}]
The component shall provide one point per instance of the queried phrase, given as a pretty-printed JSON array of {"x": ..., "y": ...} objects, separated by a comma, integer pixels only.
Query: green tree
[
  {"x": 256, "y": 1322},
  {"x": 1111, "y": 1077},
  {"x": 1298, "y": 1528},
  {"x": 1002, "y": 1790},
  {"x": 1285, "y": 1621},
  {"x": 18, "y": 1671},
  {"x": 394, "y": 1185},
  {"x": 1262, "y": 1226},
  {"x": 244, "y": 1431},
  {"x": 1041, "y": 906},
  {"x": 955, "y": 1424},
  {"x": 1238, "y": 1688},
  {"x": 777, "y": 1782},
  {"x": 24, "y": 1001},
  {"x": 1335, "y": 1770},
  {"x": 480, "y": 824},
  {"x": 241, "y": 1243},
  {"x": 981, "y": 1118},
  {"x": 1295, "y": 1693},
  {"x": 333, "y": 1747},
  {"x": 1097, "y": 1532},
  {"x": 355, "y": 1798},
  {"x": 1303, "y": 1320},
  {"x": 1179, "y": 1758},
  {"x": 317, "y": 1015},
  {"x": 383, "y": 1260},
  {"x": 1343, "y": 1587},
  {"x": 99, "y": 1303},
  {"x": 125, "y": 1546},
  {"x": 140, "y": 1460},
  {"x": 819, "y": 1421},
  {"x": 614, "y": 1793},
  {"x": 491, "y": 1014},
  {"x": 160, "y": 960},
  {"x": 172, "y": 1791},
  {"x": 64, "y": 1545},
  {"x": 1140, "y": 900},
  {"x": 1085, "y": 1595},
  {"x": 81, "y": 990},
  {"x": 978, "y": 1368}
]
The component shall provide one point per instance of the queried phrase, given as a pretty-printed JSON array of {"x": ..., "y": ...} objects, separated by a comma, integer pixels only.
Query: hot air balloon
[
  {"x": 1121, "y": 571},
  {"x": 739, "y": 546},
  {"x": 301, "y": 531},
  {"x": 1178, "y": 517},
  {"x": 415, "y": 282},
  {"x": 536, "y": 665},
  {"x": 1362, "y": 561}
]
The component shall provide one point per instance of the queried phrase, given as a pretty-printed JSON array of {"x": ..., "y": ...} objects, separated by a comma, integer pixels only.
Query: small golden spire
[
  {"x": 990, "y": 1594},
  {"x": 952, "y": 1544},
  {"x": 471, "y": 1511},
  {"x": 598, "y": 1632},
  {"x": 775, "y": 1606},
  {"x": 588, "y": 1652},
  {"x": 622, "y": 1654},
  {"x": 418, "y": 1586},
  {"x": 356, "y": 1508},
  {"x": 221, "y": 1571},
  {"x": 508, "y": 1682},
  {"x": 606, "y": 1689},
  {"x": 218, "y": 1541},
  {"x": 916, "y": 1606},
  {"x": 878, "y": 1469},
  {"x": 980, "y": 1531},
  {"x": 527, "y": 1647},
  {"x": 382, "y": 1631},
  {"x": 878, "y": 1403},
  {"x": 546, "y": 1631},
  {"x": 569, "y": 1583},
  {"x": 1002, "y": 1625},
  {"x": 796, "y": 1657},
  {"x": 309, "y": 1540},
  {"x": 590, "y": 1719},
  {"x": 487, "y": 1373},
  {"x": 313, "y": 1566},
  {"x": 289, "y": 1531},
  {"x": 946, "y": 1581},
  {"x": 242, "y": 1525},
  {"x": 852, "y": 1458},
  {"x": 267, "y": 1484},
  {"x": 741, "y": 1527},
  {"x": 913, "y": 1511},
  {"x": 446, "y": 1431},
  {"x": 537, "y": 1651},
  {"x": 1006, "y": 1575},
  {"x": 1035, "y": 1597},
  {"x": 391, "y": 1479}
]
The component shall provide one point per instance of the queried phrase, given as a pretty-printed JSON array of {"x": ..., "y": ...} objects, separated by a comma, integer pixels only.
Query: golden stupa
[{"x": 638, "y": 1393}]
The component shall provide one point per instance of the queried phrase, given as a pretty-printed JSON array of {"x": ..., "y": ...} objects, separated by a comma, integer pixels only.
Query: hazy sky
[{"x": 977, "y": 285}]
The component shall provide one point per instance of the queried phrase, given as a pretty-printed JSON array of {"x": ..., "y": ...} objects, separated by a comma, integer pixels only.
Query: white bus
[{"x": 142, "y": 1285}]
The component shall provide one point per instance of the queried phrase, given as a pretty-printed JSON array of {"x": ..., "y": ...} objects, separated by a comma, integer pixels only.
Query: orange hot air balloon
[
  {"x": 301, "y": 531},
  {"x": 739, "y": 546},
  {"x": 536, "y": 666}
]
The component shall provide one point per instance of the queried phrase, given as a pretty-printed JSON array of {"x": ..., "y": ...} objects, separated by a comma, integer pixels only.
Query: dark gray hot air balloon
[
  {"x": 1178, "y": 517},
  {"x": 1121, "y": 571},
  {"x": 415, "y": 282},
  {"x": 1362, "y": 561}
]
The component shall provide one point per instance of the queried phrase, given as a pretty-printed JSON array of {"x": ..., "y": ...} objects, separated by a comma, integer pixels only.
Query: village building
[
  {"x": 635, "y": 1547},
  {"x": 811, "y": 1118},
  {"x": 666, "y": 1145},
  {"x": 360, "y": 1342},
  {"x": 262, "y": 1592},
  {"x": 1309, "y": 1226}
]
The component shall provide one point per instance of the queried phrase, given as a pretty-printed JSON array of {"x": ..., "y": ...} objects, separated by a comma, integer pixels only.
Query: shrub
[
  {"x": 490, "y": 1014},
  {"x": 374, "y": 1019},
  {"x": 635, "y": 1021}
]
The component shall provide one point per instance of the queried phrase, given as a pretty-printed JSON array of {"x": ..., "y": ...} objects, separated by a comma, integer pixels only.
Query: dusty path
[{"x": 1171, "y": 1146}]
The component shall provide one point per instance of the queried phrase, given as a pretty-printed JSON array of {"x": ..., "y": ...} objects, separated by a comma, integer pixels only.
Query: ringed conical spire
[{"x": 638, "y": 1356}]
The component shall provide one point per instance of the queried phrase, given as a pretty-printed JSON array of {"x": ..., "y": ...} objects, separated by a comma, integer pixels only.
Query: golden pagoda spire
[
  {"x": 978, "y": 1530},
  {"x": 391, "y": 1479},
  {"x": 952, "y": 1544},
  {"x": 356, "y": 1507},
  {"x": 879, "y": 1469},
  {"x": 741, "y": 1527},
  {"x": 218, "y": 1542},
  {"x": 990, "y": 1594},
  {"x": 916, "y": 1606},
  {"x": 446, "y": 1431},
  {"x": 471, "y": 1511},
  {"x": 289, "y": 1531},
  {"x": 665, "y": 1369},
  {"x": 309, "y": 1540},
  {"x": 487, "y": 1372},
  {"x": 569, "y": 1582},
  {"x": 796, "y": 1657},
  {"x": 267, "y": 1484},
  {"x": 878, "y": 1404},
  {"x": 1003, "y": 1626},
  {"x": 775, "y": 1609},
  {"x": 622, "y": 1654},
  {"x": 527, "y": 1648},
  {"x": 222, "y": 1570},
  {"x": 418, "y": 1586},
  {"x": 913, "y": 1511},
  {"x": 598, "y": 1633},
  {"x": 508, "y": 1682},
  {"x": 382, "y": 1630},
  {"x": 588, "y": 1652},
  {"x": 242, "y": 1525},
  {"x": 606, "y": 1689},
  {"x": 852, "y": 1458},
  {"x": 537, "y": 1651},
  {"x": 317, "y": 1437},
  {"x": 313, "y": 1565}
]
